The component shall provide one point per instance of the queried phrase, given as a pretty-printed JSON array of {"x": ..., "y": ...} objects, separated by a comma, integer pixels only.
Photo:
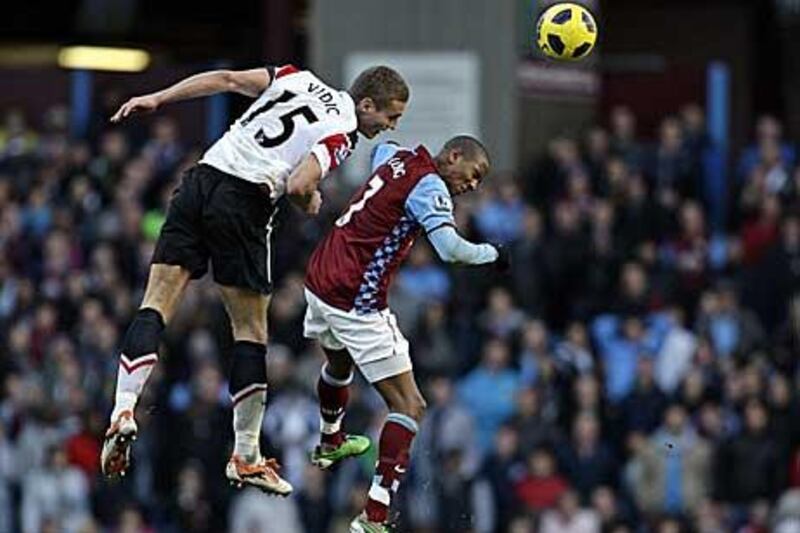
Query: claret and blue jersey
[{"x": 351, "y": 269}]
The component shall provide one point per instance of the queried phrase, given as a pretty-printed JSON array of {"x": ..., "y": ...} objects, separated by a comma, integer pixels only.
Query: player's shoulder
[
  {"x": 406, "y": 152},
  {"x": 278, "y": 72},
  {"x": 429, "y": 196},
  {"x": 430, "y": 183}
]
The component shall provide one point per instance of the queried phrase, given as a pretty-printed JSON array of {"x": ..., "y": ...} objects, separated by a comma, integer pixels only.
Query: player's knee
[
  {"x": 143, "y": 335},
  {"x": 414, "y": 406},
  {"x": 339, "y": 367},
  {"x": 418, "y": 407}
]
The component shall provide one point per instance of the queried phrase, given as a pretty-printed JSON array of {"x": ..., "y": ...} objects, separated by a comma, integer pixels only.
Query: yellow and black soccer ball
[{"x": 566, "y": 31}]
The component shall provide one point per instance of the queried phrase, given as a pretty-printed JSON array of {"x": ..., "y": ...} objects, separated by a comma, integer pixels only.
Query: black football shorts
[{"x": 216, "y": 217}]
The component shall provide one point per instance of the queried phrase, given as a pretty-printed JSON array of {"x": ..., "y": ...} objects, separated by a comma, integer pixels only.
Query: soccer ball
[{"x": 566, "y": 31}]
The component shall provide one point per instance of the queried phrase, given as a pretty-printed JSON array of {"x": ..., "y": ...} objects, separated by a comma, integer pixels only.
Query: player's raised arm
[{"x": 247, "y": 82}]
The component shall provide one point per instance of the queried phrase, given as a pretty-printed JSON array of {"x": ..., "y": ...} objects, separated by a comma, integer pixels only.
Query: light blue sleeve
[
  {"x": 430, "y": 204},
  {"x": 382, "y": 153},
  {"x": 453, "y": 248}
]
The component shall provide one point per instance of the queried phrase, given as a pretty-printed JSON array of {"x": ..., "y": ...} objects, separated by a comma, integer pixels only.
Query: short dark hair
[
  {"x": 471, "y": 147},
  {"x": 382, "y": 84}
]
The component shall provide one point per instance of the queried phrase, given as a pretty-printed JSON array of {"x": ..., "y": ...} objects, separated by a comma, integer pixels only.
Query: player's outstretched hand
[
  {"x": 315, "y": 204},
  {"x": 138, "y": 104},
  {"x": 503, "y": 262}
]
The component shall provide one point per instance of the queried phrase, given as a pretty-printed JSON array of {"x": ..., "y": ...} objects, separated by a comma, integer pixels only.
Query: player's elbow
[
  {"x": 227, "y": 80},
  {"x": 235, "y": 82},
  {"x": 445, "y": 248}
]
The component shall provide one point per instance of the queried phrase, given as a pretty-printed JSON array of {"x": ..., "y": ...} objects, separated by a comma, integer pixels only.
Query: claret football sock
[
  {"x": 393, "y": 456},
  {"x": 333, "y": 395}
]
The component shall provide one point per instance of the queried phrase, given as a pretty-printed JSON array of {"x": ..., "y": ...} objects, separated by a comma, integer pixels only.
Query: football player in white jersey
[{"x": 295, "y": 132}]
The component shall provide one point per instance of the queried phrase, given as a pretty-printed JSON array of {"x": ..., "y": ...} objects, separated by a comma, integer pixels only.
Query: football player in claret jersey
[
  {"x": 347, "y": 279},
  {"x": 295, "y": 132}
]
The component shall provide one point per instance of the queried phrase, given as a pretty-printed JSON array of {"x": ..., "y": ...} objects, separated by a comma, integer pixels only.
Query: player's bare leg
[
  {"x": 333, "y": 391},
  {"x": 138, "y": 356},
  {"x": 406, "y": 409},
  {"x": 247, "y": 311}
]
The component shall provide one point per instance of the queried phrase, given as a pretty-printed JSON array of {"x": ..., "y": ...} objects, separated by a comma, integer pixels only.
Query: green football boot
[{"x": 325, "y": 456}]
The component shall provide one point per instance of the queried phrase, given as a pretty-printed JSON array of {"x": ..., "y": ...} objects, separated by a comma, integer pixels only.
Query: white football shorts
[{"x": 373, "y": 340}]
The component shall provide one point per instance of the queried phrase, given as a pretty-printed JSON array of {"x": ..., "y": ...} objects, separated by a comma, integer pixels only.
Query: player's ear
[{"x": 367, "y": 104}]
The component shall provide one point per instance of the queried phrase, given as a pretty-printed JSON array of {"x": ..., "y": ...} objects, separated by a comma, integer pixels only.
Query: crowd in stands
[{"x": 636, "y": 371}]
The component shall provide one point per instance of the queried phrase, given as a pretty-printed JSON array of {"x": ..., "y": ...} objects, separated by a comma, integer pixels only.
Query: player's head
[
  {"x": 462, "y": 162},
  {"x": 380, "y": 94}
]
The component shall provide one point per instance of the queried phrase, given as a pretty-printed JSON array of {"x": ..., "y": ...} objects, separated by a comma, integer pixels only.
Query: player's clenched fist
[{"x": 137, "y": 104}]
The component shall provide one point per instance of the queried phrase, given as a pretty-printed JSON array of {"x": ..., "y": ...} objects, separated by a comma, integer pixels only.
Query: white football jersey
[{"x": 296, "y": 115}]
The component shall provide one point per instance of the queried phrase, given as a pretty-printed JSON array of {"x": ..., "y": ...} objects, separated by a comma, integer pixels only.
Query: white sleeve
[{"x": 332, "y": 151}]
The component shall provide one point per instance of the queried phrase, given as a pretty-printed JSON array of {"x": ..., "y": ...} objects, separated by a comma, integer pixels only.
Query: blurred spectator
[
  {"x": 769, "y": 133},
  {"x": 164, "y": 148},
  {"x": 542, "y": 486},
  {"x": 502, "y": 466},
  {"x": 586, "y": 460},
  {"x": 313, "y": 501},
  {"x": 573, "y": 353},
  {"x": 748, "y": 467},
  {"x": 16, "y": 138},
  {"x": 566, "y": 259},
  {"x": 528, "y": 269},
  {"x": 671, "y": 164},
  {"x": 534, "y": 425},
  {"x": 499, "y": 218},
  {"x": 434, "y": 349},
  {"x": 639, "y": 218},
  {"x": 674, "y": 472},
  {"x": 690, "y": 255},
  {"x": 769, "y": 286},
  {"x": 597, "y": 148},
  {"x": 253, "y": 511},
  {"x": 536, "y": 358},
  {"x": 502, "y": 318},
  {"x": 447, "y": 426},
  {"x": 56, "y": 493},
  {"x": 192, "y": 506},
  {"x": 623, "y": 136},
  {"x": 642, "y": 408},
  {"x": 568, "y": 517},
  {"x": 131, "y": 520},
  {"x": 488, "y": 392},
  {"x": 674, "y": 359},
  {"x": 621, "y": 342},
  {"x": 607, "y": 507},
  {"x": 695, "y": 134},
  {"x": 761, "y": 232},
  {"x": 464, "y": 503},
  {"x": 634, "y": 290},
  {"x": 786, "y": 517},
  {"x": 420, "y": 281},
  {"x": 731, "y": 329}
]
